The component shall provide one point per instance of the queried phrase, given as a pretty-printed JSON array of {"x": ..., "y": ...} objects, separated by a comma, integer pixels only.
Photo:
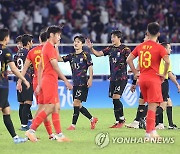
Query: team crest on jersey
[
  {"x": 8, "y": 54},
  {"x": 118, "y": 54},
  {"x": 81, "y": 60}
]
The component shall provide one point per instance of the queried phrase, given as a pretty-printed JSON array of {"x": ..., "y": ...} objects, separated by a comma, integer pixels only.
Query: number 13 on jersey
[{"x": 145, "y": 59}]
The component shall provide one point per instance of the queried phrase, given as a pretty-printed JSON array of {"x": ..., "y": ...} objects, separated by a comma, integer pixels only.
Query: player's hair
[
  {"x": 153, "y": 28},
  {"x": 80, "y": 37},
  {"x": 26, "y": 38},
  {"x": 165, "y": 44},
  {"x": 19, "y": 39},
  {"x": 4, "y": 32},
  {"x": 53, "y": 29},
  {"x": 117, "y": 33},
  {"x": 43, "y": 36}
]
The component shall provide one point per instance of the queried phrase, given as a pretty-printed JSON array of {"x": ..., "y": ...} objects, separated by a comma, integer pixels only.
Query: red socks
[
  {"x": 56, "y": 122},
  {"x": 150, "y": 121},
  {"x": 38, "y": 120},
  {"x": 48, "y": 127}
]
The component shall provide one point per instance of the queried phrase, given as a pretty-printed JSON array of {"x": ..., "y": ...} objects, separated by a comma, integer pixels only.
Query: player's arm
[
  {"x": 166, "y": 64},
  {"x": 59, "y": 57},
  {"x": 15, "y": 70},
  {"x": 89, "y": 83},
  {"x": 95, "y": 52},
  {"x": 173, "y": 79},
  {"x": 129, "y": 60},
  {"x": 55, "y": 66},
  {"x": 39, "y": 77}
]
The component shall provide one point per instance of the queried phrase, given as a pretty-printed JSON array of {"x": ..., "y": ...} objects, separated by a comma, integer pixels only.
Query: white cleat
[
  {"x": 134, "y": 124},
  {"x": 160, "y": 126}
]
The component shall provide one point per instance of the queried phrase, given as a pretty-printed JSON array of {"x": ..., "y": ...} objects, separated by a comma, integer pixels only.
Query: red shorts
[
  {"x": 49, "y": 92},
  {"x": 151, "y": 89}
]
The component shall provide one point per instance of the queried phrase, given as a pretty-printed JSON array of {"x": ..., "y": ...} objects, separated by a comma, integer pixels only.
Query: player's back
[
  {"x": 150, "y": 54},
  {"x": 34, "y": 55},
  {"x": 49, "y": 53}
]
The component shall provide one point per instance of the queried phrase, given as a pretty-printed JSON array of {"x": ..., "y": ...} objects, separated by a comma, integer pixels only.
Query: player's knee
[
  {"x": 116, "y": 96},
  {"x": 141, "y": 101}
]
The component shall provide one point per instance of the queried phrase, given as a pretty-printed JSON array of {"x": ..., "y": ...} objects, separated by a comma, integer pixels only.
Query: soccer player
[
  {"x": 25, "y": 96},
  {"x": 19, "y": 42},
  {"x": 117, "y": 53},
  {"x": 80, "y": 62},
  {"x": 48, "y": 73},
  {"x": 5, "y": 61},
  {"x": 150, "y": 54},
  {"x": 165, "y": 90},
  {"x": 34, "y": 58}
]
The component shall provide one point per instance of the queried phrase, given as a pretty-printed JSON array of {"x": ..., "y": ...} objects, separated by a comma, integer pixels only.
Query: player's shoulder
[{"x": 124, "y": 47}]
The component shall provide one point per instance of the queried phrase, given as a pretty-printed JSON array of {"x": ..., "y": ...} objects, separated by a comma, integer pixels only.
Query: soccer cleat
[
  {"x": 24, "y": 128},
  {"x": 134, "y": 124},
  {"x": 118, "y": 125},
  {"x": 160, "y": 126},
  {"x": 18, "y": 140},
  {"x": 152, "y": 137},
  {"x": 173, "y": 127},
  {"x": 53, "y": 137},
  {"x": 31, "y": 135},
  {"x": 71, "y": 128},
  {"x": 62, "y": 138},
  {"x": 93, "y": 123}
]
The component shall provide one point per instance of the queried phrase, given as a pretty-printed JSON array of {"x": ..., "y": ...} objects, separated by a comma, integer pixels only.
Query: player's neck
[
  {"x": 117, "y": 44},
  {"x": 78, "y": 51},
  {"x": 153, "y": 38},
  {"x": 26, "y": 47}
]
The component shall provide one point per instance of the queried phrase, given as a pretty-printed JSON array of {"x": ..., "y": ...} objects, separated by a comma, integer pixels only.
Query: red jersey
[
  {"x": 34, "y": 55},
  {"x": 150, "y": 54},
  {"x": 49, "y": 53}
]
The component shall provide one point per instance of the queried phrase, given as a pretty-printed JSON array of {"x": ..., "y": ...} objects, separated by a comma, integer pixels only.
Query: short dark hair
[
  {"x": 153, "y": 28},
  {"x": 19, "y": 39},
  {"x": 4, "y": 32},
  {"x": 26, "y": 38},
  {"x": 43, "y": 36},
  {"x": 80, "y": 37},
  {"x": 117, "y": 33},
  {"x": 165, "y": 44},
  {"x": 53, "y": 29}
]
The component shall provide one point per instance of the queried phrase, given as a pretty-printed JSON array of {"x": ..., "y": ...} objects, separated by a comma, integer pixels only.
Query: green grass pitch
[{"x": 83, "y": 139}]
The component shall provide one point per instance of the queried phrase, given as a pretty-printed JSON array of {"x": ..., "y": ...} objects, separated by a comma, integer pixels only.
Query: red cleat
[
  {"x": 118, "y": 125},
  {"x": 71, "y": 128},
  {"x": 93, "y": 123}
]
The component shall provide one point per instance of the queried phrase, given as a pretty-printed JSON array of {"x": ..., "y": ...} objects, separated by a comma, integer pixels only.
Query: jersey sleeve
[
  {"x": 52, "y": 54},
  {"x": 89, "y": 59},
  {"x": 8, "y": 56},
  {"x": 106, "y": 51},
  {"x": 67, "y": 58},
  {"x": 135, "y": 51},
  {"x": 163, "y": 51},
  {"x": 126, "y": 51}
]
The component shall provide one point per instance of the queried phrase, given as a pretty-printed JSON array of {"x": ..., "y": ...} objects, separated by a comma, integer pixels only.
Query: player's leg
[
  {"x": 169, "y": 115},
  {"x": 5, "y": 108},
  {"x": 21, "y": 105},
  {"x": 83, "y": 110}
]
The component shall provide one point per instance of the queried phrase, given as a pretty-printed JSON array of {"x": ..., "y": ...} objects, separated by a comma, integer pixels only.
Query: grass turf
[{"x": 83, "y": 139}]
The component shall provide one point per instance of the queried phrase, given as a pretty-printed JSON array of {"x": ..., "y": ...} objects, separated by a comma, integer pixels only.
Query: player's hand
[
  {"x": 27, "y": 84},
  {"x": 19, "y": 87},
  {"x": 88, "y": 43},
  {"x": 38, "y": 89},
  {"x": 133, "y": 88},
  {"x": 162, "y": 76},
  {"x": 68, "y": 85},
  {"x": 178, "y": 88},
  {"x": 89, "y": 83}
]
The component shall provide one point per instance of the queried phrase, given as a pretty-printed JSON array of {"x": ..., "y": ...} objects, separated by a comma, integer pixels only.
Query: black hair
[
  {"x": 117, "y": 33},
  {"x": 53, "y": 29},
  {"x": 19, "y": 39},
  {"x": 165, "y": 44},
  {"x": 80, "y": 37},
  {"x": 26, "y": 38},
  {"x": 43, "y": 36},
  {"x": 4, "y": 32},
  {"x": 153, "y": 28}
]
